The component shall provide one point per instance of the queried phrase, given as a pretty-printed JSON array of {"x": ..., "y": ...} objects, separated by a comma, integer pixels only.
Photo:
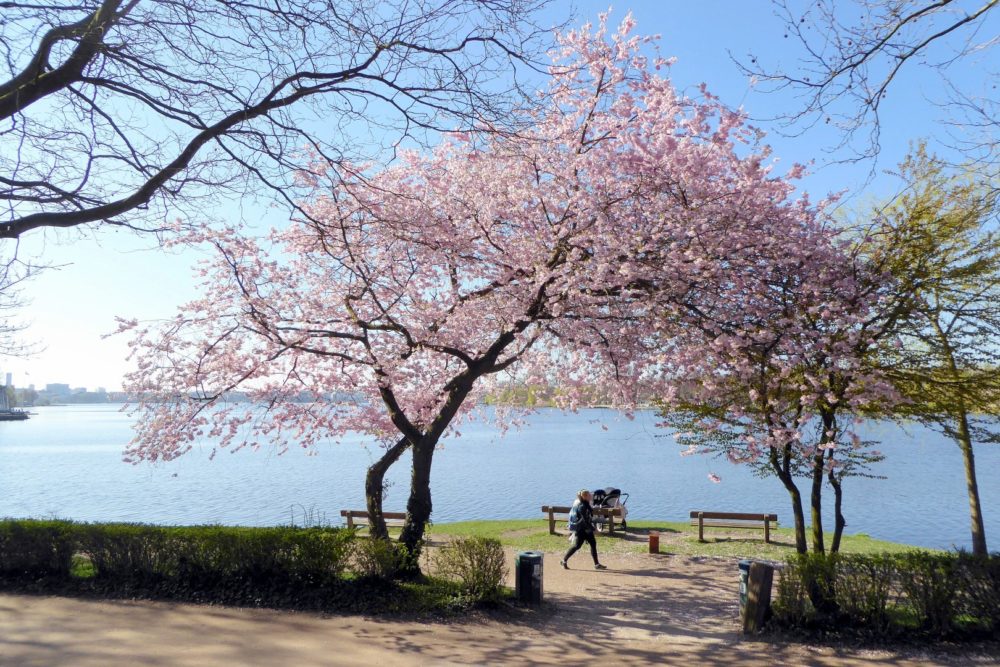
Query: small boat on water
[{"x": 7, "y": 413}]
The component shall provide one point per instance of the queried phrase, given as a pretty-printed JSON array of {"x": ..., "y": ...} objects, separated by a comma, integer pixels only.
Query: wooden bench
[
  {"x": 733, "y": 520},
  {"x": 602, "y": 516},
  {"x": 391, "y": 518}
]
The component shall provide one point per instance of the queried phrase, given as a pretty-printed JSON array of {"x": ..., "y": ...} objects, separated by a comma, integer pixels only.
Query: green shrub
[
  {"x": 478, "y": 563},
  {"x": 278, "y": 566},
  {"x": 934, "y": 594},
  {"x": 806, "y": 590},
  {"x": 30, "y": 549},
  {"x": 378, "y": 559},
  {"x": 790, "y": 601},
  {"x": 126, "y": 552},
  {"x": 929, "y": 585},
  {"x": 979, "y": 589},
  {"x": 863, "y": 589}
]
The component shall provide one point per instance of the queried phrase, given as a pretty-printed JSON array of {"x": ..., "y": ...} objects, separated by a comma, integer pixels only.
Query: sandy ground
[{"x": 657, "y": 609}]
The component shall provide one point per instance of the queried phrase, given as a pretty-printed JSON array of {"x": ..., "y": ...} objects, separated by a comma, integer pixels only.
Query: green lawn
[{"x": 675, "y": 538}]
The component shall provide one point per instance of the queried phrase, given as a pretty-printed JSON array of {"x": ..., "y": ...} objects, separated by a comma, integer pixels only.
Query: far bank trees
[{"x": 572, "y": 251}]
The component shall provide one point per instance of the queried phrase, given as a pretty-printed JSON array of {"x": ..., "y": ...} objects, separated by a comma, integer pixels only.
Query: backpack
[{"x": 574, "y": 518}]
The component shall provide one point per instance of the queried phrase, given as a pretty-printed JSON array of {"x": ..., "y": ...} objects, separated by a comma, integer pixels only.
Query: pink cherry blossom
[{"x": 631, "y": 243}]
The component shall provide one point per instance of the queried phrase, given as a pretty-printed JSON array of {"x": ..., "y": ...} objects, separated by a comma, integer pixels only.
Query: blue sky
[{"x": 116, "y": 273}]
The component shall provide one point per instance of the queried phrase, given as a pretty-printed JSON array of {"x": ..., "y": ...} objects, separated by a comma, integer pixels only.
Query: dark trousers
[{"x": 582, "y": 537}]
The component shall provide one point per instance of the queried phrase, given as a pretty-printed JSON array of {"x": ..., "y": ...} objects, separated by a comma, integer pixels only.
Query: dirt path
[{"x": 644, "y": 609}]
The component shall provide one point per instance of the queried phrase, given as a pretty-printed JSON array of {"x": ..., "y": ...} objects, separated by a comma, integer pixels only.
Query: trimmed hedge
[
  {"x": 282, "y": 566},
  {"x": 934, "y": 595},
  {"x": 32, "y": 549}
]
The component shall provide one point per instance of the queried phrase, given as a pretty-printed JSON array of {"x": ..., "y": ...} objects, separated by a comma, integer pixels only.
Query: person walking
[{"x": 581, "y": 525}]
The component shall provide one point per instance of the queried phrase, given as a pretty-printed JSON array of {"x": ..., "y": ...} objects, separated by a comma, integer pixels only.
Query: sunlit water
[{"x": 66, "y": 462}]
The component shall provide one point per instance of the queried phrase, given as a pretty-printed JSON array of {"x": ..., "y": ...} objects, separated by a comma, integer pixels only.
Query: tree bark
[
  {"x": 975, "y": 508},
  {"x": 418, "y": 507},
  {"x": 839, "y": 521},
  {"x": 816, "y": 503},
  {"x": 793, "y": 491},
  {"x": 375, "y": 486},
  {"x": 965, "y": 444}
]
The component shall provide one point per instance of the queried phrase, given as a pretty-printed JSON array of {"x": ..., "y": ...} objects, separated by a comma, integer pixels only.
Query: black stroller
[{"x": 610, "y": 498}]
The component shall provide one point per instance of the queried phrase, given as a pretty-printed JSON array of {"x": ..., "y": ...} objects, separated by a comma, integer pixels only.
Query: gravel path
[{"x": 645, "y": 609}]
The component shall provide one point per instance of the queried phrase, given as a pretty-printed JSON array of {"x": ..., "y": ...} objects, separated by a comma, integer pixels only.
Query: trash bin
[
  {"x": 528, "y": 576},
  {"x": 654, "y": 542},
  {"x": 744, "y": 577}
]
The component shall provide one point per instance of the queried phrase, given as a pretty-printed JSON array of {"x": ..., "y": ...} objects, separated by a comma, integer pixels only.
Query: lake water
[{"x": 66, "y": 462}]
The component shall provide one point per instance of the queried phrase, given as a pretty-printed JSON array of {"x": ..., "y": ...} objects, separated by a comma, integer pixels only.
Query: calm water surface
[{"x": 66, "y": 462}]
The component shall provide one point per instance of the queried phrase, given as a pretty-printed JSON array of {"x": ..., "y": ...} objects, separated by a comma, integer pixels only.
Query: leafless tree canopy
[
  {"x": 13, "y": 274},
  {"x": 120, "y": 111},
  {"x": 852, "y": 53}
]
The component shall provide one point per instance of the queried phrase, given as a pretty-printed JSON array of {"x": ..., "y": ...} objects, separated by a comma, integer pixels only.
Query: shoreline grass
[{"x": 676, "y": 537}]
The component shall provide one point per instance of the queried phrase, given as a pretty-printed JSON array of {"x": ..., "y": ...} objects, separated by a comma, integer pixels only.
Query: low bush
[
  {"x": 930, "y": 587},
  {"x": 377, "y": 559},
  {"x": 478, "y": 563},
  {"x": 32, "y": 549},
  {"x": 790, "y": 600},
  {"x": 863, "y": 589},
  {"x": 280, "y": 566},
  {"x": 979, "y": 590},
  {"x": 936, "y": 595}
]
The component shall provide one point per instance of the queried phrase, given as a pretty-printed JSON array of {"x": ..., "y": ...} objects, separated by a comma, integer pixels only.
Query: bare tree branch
[
  {"x": 853, "y": 54},
  {"x": 123, "y": 112}
]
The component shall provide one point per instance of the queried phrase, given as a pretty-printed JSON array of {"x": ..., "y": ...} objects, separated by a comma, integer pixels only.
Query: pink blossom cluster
[{"x": 632, "y": 239}]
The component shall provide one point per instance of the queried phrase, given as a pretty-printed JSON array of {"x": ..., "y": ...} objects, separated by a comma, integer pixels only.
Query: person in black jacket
[{"x": 581, "y": 525}]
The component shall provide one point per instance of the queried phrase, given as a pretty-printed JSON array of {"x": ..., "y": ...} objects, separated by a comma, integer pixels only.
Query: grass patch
[
  {"x": 82, "y": 567},
  {"x": 676, "y": 537}
]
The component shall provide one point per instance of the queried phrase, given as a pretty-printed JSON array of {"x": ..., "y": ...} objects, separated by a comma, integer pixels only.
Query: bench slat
[
  {"x": 704, "y": 519},
  {"x": 734, "y": 515},
  {"x": 391, "y": 518},
  {"x": 731, "y": 524},
  {"x": 601, "y": 514}
]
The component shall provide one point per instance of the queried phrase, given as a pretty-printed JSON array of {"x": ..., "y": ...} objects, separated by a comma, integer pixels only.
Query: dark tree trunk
[
  {"x": 375, "y": 487},
  {"x": 839, "y": 521},
  {"x": 965, "y": 444},
  {"x": 975, "y": 508},
  {"x": 418, "y": 507},
  {"x": 782, "y": 471},
  {"x": 816, "y": 503}
]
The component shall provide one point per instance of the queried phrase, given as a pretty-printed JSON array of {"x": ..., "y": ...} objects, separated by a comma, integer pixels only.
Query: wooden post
[
  {"x": 767, "y": 530},
  {"x": 552, "y": 522},
  {"x": 758, "y": 597},
  {"x": 701, "y": 526}
]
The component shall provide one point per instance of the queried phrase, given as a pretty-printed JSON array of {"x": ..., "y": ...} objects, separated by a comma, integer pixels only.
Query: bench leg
[
  {"x": 552, "y": 523},
  {"x": 701, "y": 528},
  {"x": 767, "y": 531}
]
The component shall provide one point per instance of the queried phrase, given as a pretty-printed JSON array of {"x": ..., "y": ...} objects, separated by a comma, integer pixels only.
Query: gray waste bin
[
  {"x": 744, "y": 578},
  {"x": 528, "y": 576}
]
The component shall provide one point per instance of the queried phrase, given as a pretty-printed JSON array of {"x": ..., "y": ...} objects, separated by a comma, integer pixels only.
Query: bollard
[
  {"x": 744, "y": 566},
  {"x": 528, "y": 576},
  {"x": 654, "y": 542},
  {"x": 758, "y": 597}
]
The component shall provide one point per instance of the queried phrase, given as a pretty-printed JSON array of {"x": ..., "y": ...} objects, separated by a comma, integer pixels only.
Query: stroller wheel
[{"x": 624, "y": 526}]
